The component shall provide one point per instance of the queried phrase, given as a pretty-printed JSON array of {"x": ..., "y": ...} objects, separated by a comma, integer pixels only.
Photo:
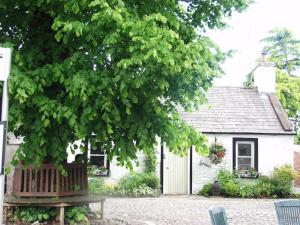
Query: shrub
[
  {"x": 282, "y": 180},
  {"x": 229, "y": 184},
  {"x": 231, "y": 189},
  {"x": 249, "y": 191},
  {"x": 34, "y": 214},
  {"x": 142, "y": 190},
  {"x": 280, "y": 184},
  {"x": 206, "y": 190},
  {"x": 77, "y": 215},
  {"x": 264, "y": 186},
  {"x": 151, "y": 180},
  {"x": 225, "y": 176},
  {"x": 135, "y": 180},
  {"x": 96, "y": 185}
]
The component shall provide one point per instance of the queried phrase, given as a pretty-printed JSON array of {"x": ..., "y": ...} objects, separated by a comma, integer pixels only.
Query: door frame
[{"x": 189, "y": 169}]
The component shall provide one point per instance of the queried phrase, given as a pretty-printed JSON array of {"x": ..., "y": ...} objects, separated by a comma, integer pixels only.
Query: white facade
[{"x": 273, "y": 151}]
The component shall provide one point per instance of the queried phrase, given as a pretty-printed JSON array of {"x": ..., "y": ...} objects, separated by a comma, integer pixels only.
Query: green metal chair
[
  {"x": 288, "y": 212},
  {"x": 217, "y": 215}
]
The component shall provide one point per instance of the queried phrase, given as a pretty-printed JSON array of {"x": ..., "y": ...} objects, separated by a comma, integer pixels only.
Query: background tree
[
  {"x": 283, "y": 48},
  {"x": 115, "y": 68}
]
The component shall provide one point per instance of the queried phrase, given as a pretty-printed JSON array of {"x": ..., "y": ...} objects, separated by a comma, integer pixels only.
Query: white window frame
[
  {"x": 252, "y": 153},
  {"x": 105, "y": 157}
]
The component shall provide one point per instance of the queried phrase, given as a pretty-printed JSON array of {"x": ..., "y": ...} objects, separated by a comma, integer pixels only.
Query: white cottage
[{"x": 249, "y": 122}]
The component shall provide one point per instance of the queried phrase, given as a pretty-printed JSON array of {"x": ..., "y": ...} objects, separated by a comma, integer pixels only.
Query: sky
[{"x": 245, "y": 31}]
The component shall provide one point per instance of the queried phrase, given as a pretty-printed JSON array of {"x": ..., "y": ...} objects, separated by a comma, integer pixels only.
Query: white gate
[{"x": 176, "y": 174}]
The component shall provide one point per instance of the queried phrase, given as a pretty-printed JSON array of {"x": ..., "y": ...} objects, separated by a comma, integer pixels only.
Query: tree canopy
[
  {"x": 116, "y": 68},
  {"x": 283, "y": 48}
]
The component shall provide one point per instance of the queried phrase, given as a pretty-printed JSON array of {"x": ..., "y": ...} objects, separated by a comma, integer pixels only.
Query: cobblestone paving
[{"x": 181, "y": 210}]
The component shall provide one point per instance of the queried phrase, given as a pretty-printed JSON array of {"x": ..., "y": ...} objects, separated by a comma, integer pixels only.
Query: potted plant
[{"x": 216, "y": 152}]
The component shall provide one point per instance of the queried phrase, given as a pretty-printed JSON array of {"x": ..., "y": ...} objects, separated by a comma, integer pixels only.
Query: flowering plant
[{"x": 216, "y": 153}]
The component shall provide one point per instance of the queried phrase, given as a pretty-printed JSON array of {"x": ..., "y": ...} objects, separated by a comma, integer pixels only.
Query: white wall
[
  {"x": 117, "y": 172},
  {"x": 273, "y": 150}
]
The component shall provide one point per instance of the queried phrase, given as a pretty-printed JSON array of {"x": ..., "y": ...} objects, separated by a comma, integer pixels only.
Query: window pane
[
  {"x": 244, "y": 163},
  {"x": 96, "y": 148},
  {"x": 244, "y": 149},
  {"x": 98, "y": 161}
]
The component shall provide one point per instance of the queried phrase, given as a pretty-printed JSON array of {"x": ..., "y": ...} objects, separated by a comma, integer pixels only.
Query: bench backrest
[
  {"x": 218, "y": 216},
  {"x": 288, "y": 212}
]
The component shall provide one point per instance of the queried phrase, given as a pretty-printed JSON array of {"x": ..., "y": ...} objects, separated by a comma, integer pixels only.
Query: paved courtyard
[{"x": 181, "y": 210}]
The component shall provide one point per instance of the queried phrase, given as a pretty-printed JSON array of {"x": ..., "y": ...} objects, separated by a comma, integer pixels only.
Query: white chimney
[{"x": 265, "y": 76}]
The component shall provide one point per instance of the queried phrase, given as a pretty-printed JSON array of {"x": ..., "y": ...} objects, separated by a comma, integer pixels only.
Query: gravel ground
[{"x": 181, "y": 210}]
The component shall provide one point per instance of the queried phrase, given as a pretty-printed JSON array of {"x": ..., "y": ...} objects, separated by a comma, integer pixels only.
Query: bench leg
[
  {"x": 62, "y": 215},
  {"x": 5, "y": 214},
  {"x": 102, "y": 210}
]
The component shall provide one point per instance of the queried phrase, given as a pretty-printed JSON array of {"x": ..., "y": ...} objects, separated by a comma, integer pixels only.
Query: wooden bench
[{"x": 61, "y": 203}]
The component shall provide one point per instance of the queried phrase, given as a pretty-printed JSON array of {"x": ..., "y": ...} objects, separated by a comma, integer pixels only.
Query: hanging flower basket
[{"x": 216, "y": 153}]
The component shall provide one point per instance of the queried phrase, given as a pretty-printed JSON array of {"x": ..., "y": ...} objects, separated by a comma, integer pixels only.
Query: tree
[
  {"x": 283, "y": 49},
  {"x": 115, "y": 68},
  {"x": 288, "y": 92}
]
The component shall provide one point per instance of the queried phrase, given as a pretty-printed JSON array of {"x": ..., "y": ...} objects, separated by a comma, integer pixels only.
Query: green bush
[
  {"x": 206, "y": 190},
  {"x": 280, "y": 184},
  {"x": 249, "y": 191},
  {"x": 134, "y": 181},
  {"x": 33, "y": 214},
  {"x": 229, "y": 183},
  {"x": 151, "y": 180},
  {"x": 282, "y": 180},
  {"x": 77, "y": 215},
  {"x": 96, "y": 185},
  {"x": 231, "y": 189},
  {"x": 264, "y": 186}
]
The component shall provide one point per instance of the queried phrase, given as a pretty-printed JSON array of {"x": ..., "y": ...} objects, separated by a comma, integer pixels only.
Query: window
[
  {"x": 245, "y": 153},
  {"x": 98, "y": 159}
]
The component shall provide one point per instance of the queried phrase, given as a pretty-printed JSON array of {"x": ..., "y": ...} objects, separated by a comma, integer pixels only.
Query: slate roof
[{"x": 239, "y": 110}]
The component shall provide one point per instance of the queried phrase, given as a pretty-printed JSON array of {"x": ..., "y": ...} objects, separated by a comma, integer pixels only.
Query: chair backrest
[
  {"x": 288, "y": 212},
  {"x": 217, "y": 215}
]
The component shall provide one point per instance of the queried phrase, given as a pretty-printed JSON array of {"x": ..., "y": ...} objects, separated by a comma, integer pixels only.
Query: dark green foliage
[
  {"x": 77, "y": 215},
  {"x": 150, "y": 163},
  {"x": 111, "y": 67},
  {"x": 33, "y": 214},
  {"x": 206, "y": 190}
]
